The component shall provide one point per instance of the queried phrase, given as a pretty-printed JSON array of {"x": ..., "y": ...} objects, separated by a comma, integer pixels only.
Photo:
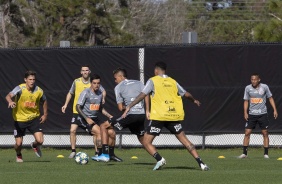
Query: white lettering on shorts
[
  {"x": 177, "y": 127},
  {"x": 73, "y": 119},
  {"x": 118, "y": 126},
  {"x": 15, "y": 132},
  {"x": 155, "y": 130}
]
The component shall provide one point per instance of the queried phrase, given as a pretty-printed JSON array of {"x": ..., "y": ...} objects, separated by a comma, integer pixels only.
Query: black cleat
[{"x": 115, "y": 158}]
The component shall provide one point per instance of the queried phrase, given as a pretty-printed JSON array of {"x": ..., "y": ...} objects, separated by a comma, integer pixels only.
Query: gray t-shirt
[
  {"x": 257, "y": 98},
  {"x": 90, "y": 102},
  {"x": 149, "y": 87},
  {"x": 126, "y": 92}
]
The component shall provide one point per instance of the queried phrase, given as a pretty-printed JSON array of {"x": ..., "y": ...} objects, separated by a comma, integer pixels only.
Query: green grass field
[{"x": 180, "y": 168}]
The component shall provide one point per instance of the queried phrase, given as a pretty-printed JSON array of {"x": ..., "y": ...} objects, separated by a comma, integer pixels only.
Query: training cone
[
  {"x": 280, "y": 158},
  {"x": 60, "y": 156},
  {"x": 221, "y": 156},
  {"x": 134, "y": 157}
]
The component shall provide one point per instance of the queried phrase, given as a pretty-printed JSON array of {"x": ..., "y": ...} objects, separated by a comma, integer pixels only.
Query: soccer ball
[{"x": 81, "y": 158}]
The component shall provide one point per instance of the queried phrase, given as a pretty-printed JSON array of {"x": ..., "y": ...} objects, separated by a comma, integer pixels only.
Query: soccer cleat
[
  {"x": 243, "y": 156},
  {"x": 72, "y": 155},
  {"x": 102, "y": 158},
  {"x": 159, "y": 164},
  {"x": 19, "y": 159},
  {"x": 37, "y": 150},
  {"x": 204, "y": 167},
  {"x": 115, "y": 158},
  {"x": 266, "y": 156}
]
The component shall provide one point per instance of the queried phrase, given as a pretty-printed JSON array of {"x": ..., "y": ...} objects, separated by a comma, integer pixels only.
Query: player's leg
[
  {"x": 35, "y": 128},
  {"x": 191, "y": 149},
  {"x": 112, "y": 143},
  {"x": 95, "y": 145},
  {"x": 264, "y": 123},
  {"x": 19, "y": 132},
  {"x": 73, "y": 129},
  {"x": 249, "y": 126}
]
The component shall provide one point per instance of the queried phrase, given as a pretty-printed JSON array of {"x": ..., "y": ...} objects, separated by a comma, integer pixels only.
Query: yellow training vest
[
  {"x": 166, "y": 104},
  {"x": 27, "y": 104},
  {"x": 79, "y": 87}
]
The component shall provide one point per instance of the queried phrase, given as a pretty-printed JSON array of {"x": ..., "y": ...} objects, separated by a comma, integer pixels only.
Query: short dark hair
[
  {"x": 255, "y": 74},
  {"x": 94, "y": 76},
  {"x": 85, "y": 65},
  {"x": 160, "y": 65},
  {"x": 122, "y": 70},
  {"x": 28, "y": 73}
]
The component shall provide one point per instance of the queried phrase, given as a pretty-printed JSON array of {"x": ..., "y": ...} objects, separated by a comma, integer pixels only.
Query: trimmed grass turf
[{"x": 180, "y": 168}]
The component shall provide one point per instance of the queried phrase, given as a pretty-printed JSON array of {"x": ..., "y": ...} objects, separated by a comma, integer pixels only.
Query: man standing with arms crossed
[
  {"x": 255, "y": 112},
  {"x": 166, "y": 111},
  {"x": 25, "y": 100},
  {"x": 126, "y": 91},
  {"x": 77, "y": 87}
]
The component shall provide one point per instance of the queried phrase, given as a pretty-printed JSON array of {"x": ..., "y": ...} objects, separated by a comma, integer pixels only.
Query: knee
[
  {"x": 111, "y": 132},
  {"x": 18, "y": 144},
  {"x": 72, "y": 131}
]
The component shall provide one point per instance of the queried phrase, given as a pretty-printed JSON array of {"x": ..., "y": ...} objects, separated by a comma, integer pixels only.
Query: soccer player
[
  {"x": 89, "y": 107},
  {"x": 255, "y": 112},
  {"x": 126, "y": 91},
  {"x": 25, "y": 99},
  {"x": 77, "y": 87},
  {"x": 166, "y": 111}
]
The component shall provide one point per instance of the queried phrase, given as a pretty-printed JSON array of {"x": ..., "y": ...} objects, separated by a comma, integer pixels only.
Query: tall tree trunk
[{"x": 3, "y": 25}]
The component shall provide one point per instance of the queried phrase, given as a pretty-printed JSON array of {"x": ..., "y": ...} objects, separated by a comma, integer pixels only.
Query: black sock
[
  {"x": 266, "y": 150},
  {"x": 111, "y": 150},
  {"x": 100, "y": 151},
  {"x": 245, "y": 150},
  {"x": 19, "y": 154},
  {"x": 105, "y": 149},
  {"x": 73, "y": 150},
  {"x": 199, "y": 160},
  {"x": 157, "y": 156}
]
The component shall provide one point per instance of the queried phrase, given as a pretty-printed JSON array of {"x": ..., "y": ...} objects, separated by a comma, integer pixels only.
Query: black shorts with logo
[
  {"x": 81, "y": 122},
  {"x": 134, "y": 122},
  {"x": 261, "y": 120},
  {"x": 32, "y": 126},
  {"x": 155, "y": 127}
]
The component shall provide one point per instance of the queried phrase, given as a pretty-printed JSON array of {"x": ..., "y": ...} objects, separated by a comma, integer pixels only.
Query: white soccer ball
[{"x": 81, "y": 158}]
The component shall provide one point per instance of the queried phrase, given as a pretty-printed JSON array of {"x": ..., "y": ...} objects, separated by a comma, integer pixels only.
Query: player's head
[
  {"x": 29, "y": 78},
  {"x": 85, "y": 71},
  {"x": 160, "y": 68},
  {"x": 255, "y": 79},
  {"x": 119, "y": 74},
  {"x": 95, "y": 82}
]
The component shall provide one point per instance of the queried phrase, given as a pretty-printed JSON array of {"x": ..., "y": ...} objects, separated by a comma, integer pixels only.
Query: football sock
[
  {"x": 199, "y": 160},
  {"x": 266, "y": 150},
  {"x": 157, "y": 156},
  {"x": 111, "y": 150},
  {"x": 105, "y": 149},
  {"x": 19, "y": 154},
  {"x": 73, "y": 150},
  {"x": 245, "y": 150},
  {"x": 99, "y": 151}
]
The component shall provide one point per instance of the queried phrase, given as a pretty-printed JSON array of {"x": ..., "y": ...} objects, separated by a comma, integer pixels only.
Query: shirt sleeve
[
  {"x": 246, "y": 94},
  {"x": 101, "y": 88},
  {"x": 43, "y": 98},
  {"x": 119, "y": 99},
  {"x": 149, "y": 87},
  {"x": 16, "y": 90},
  {"x": 181, "y": 90},
  {"x": 267, "y": 91},
  {"x": 82, "y": 98},
  {"x": 72, "y": 89}
]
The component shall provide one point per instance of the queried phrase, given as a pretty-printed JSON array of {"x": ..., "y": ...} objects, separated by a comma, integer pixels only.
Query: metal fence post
[
  {"x": 204, "y": 141},
  {"x": 120, "y": 141}
]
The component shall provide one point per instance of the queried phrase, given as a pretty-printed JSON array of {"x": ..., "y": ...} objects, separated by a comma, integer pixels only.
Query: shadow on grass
[
  {"x": 38, "y": 161},
  {"x": 166, "y": 167}
]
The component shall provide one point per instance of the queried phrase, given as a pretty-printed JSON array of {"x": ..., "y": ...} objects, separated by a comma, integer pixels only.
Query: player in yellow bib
[
  {"x": 166, "y": 111},
  {"x": 77, "y": 87},
  {"x": 25, "y": 99}
]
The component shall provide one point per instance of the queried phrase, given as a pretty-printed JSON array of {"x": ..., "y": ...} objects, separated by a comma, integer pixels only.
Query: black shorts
[
  {"x": 253, "y": 120},
  {"x": 155, "y": 127},
  {"x": 81, "y": 122},
  {"x": 134, "y": 122},
  {"x": 33, "y": 126}
]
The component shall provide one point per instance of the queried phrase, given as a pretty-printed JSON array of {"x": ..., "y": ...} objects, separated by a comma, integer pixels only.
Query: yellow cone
[
  {"x": 221, "y": 156},
  {"x": 134, "y": 157},
  {"x": 60, "y": 156},
  {"x": 280, "y": 158}
]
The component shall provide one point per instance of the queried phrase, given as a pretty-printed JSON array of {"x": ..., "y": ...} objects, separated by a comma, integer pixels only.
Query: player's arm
[
  {"x": 272, "y": 103},
  {"x": 104, "y": 94},
  {"x": 246, "y": 106},
  {"x": 11, "y": 103},
  {"x": 81, "y": 113},
  {"x": 121, "y": 107},
  {"x": 147, "y": 106},
  {"x": 140, "y": 97},
  {"x": 68, "y": 98},
  {"x": 106, "y": 113},
  {"x": 191, "y": 98},
  {"x": 45, "y": 112}
]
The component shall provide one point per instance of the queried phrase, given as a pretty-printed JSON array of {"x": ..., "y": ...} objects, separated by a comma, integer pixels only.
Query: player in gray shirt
[
  {"x": 126, "y": 91},
  {"x": 255, "y": 112},
  {"x": 90, "y": 109}
]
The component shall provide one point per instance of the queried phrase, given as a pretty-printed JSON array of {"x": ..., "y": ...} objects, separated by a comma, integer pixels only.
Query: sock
[
  {"x": 100, "y": 151},
  {"x": 105, "y": 149},
  {"x": 111, "y": 150},
  {"x": 157, "y": 156},
  {"x": 199, "y": 160},
  {"x": 73, "y": 150},
  {"x": 19, "y": 154},
  {"x": 245, "y": 150},
  {"x": 266, "y": 150}
]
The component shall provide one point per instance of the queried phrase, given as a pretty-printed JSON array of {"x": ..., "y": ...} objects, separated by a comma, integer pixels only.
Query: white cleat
[
  {"x": 159, "y": 164},
  {"x": 266, "y": 156},
  {"x": 72, "y": 155},
  {"x": 243, "y": 156},
  {"x": 204, "y": 167}
]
